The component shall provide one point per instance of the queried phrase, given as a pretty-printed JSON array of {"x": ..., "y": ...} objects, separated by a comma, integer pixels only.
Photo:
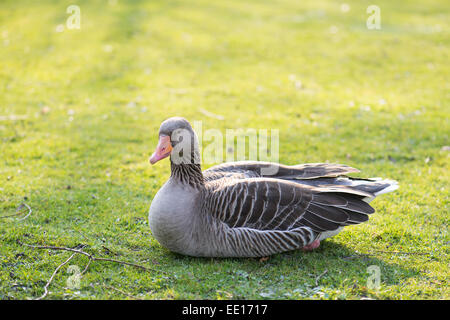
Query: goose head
[{"x": 178, "y": 140}]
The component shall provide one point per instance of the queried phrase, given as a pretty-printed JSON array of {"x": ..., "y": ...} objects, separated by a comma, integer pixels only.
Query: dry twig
[
  {"x": 374, "y": 253},
  {"x": 403, "y": 252},
  {"x": 122, "y": 292},
  {"x": 53, "y": 276},
  {"x": 90, "y": 256},
  {"x": 126, "y": 263},
  {"x": 79, "y": 251},
  {"x": 19, "y": 212},
  {"x": 55, "y": 248},
  {"x": 29, "y": 211},
  {"x": 87, "y": 266},
  {"x": 320, "y": 276}
]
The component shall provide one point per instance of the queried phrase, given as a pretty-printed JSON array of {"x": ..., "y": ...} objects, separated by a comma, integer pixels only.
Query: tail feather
[
  {"x": 369, "y": 188},
  {"x": 390, "y": 185},
  {"x": 376, "y": 186}
]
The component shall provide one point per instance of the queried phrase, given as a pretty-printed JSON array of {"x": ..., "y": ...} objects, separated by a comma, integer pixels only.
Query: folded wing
[{"x": 275, "y": 204}]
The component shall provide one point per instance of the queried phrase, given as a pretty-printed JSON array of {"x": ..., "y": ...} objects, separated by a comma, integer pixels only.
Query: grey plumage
[{"x": 235, "y": 210}]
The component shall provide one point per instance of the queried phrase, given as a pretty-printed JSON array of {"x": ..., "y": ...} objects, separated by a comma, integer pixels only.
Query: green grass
[{"x": 378, "y": 100}]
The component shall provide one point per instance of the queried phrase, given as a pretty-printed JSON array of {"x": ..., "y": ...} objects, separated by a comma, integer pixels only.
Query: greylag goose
[{"x": 235, "y": 209}]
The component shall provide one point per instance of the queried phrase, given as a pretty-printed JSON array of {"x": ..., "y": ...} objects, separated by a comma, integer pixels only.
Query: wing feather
[
  {"x": 248, "y": 169},
  {"x": 275, "y": 204}
]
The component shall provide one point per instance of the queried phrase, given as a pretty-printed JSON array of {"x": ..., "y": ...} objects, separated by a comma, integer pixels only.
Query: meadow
[{"x": 80, "y": 111}]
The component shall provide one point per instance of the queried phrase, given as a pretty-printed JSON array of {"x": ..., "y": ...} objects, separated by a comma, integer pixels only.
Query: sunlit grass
[{"x": 88, "y": 104}]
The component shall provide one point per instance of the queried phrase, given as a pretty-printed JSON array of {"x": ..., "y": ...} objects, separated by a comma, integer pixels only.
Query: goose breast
[{"x": 170, "y": 213}]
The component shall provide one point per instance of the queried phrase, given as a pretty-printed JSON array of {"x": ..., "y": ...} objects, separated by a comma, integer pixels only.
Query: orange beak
[{"x": 162, "y": 151}]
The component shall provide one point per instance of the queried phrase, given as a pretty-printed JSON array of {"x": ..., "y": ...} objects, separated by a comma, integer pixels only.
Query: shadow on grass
[{"x": 332, "y": 267}]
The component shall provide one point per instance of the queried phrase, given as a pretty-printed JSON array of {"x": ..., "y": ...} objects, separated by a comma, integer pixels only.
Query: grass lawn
[{"x": 80, "y": 110}]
